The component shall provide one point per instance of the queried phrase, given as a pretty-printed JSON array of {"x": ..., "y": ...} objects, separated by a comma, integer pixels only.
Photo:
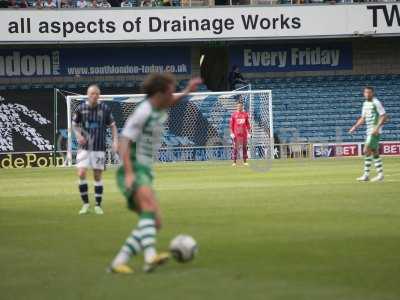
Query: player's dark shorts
[
  {"x": 143, "y": 177},
  {"x": 372, "y": 141}
]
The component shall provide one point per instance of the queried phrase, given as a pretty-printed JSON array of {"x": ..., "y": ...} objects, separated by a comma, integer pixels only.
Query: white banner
[{"x": 219, "y": 23}]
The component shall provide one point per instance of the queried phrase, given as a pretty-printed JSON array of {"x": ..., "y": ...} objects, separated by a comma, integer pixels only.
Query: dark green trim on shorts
[
  {"x": 143, "y": 177},
  {"x": 372, "y": 141}
]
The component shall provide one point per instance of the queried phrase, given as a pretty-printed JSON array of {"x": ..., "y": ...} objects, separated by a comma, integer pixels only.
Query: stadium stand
[
  {"x": 306, "y": 108},
  {"x": 322, "y": 108},
  {"x": 40, "y": 4}
]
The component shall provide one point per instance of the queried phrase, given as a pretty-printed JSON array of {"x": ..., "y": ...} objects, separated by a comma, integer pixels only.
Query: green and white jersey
[
  {"x": 371, "y": 111},
  {"x": 144, "y": 128}
]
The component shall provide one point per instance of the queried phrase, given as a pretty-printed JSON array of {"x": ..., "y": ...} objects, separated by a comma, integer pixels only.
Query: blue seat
[{"x": 321, "y": 105}]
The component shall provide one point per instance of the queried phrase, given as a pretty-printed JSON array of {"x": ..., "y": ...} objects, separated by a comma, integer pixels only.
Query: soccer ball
[{"x": 183, "y": 248}]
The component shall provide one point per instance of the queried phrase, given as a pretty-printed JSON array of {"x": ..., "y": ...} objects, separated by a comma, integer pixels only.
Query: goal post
[{"x": 197, "y": 128}]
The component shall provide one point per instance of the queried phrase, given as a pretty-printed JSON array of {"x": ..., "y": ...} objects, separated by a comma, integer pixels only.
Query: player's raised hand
[
  {"x": 193, "y": 84},
  {"x": 351, "y": 130},
  {"x": 190, "y": 88}
]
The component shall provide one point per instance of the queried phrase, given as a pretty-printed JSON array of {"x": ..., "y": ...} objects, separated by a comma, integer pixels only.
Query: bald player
[{"x": 90, "y": 122}]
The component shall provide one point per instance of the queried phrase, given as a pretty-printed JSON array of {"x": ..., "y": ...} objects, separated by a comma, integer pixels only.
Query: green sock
[
  {"x": 131, "y": 247},
  {"x": 378, "y": 164},
  {"x": 148, "y": 232},
  {"x": 367, "y": 165}
]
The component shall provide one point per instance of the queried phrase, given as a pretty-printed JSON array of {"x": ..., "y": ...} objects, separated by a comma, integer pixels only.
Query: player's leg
[
  {"x": 82, "y": 165},
  {"x": 141, "y": 199},
  {"x": 235, "y": 151},
  {"x": 244, "y": 148},
  {"x": 374, "y": 145},
  {"x": 143, "y": 237},
  {"x": 132, "y": 245},
  {"x": 367, "y": 163},
  {"x": 149, "y": 222},
  {"x": 98, "y": 190},
  {"x": 97, "y": 160}
]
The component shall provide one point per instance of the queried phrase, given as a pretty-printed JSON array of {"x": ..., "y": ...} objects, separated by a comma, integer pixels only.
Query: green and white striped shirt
[
  {"x": 144, "y": 128},
  {"x": 371, "y": 111}
]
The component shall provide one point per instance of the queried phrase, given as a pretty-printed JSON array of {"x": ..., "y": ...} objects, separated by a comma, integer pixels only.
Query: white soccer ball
[{"x": 183, "y": 248}]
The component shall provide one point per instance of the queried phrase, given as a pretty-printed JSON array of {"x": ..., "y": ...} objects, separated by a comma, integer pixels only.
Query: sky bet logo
[{"x": 17, "y": 64}]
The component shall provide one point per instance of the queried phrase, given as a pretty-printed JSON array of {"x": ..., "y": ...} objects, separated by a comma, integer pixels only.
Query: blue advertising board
[
  {"x": 292, "y": 57},
  {"x": 94, "y": 61}
]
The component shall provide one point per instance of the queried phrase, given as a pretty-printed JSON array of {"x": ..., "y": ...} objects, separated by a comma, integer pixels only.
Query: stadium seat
[{"x": 328, "y": 103}]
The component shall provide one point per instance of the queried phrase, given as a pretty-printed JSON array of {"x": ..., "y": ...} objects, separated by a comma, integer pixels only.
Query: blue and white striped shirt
[{"x": 93, "y": 122}]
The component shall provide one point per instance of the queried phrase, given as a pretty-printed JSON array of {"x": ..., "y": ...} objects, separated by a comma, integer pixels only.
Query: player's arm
[
  {"x": 190, "y": 88},
  {"x": 114, "y": 133},
  {"x": 383, "y": 117},
  {"x": 110, "y": 121},
  {"x": 248, "y": 126},
  {"x": 76, "y": 128},
  {"x": 231, "y": 126},
  {"x": 359, "y": 122},
  {"x": 382, "y": 120}
]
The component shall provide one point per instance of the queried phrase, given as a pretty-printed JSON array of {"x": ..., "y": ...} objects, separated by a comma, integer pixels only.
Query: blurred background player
[
  {"x": 139, "y": 141},
  {"x": 374, "y": 115},
  {"x": 90, "y": 121},
  {"x": 240, "y": 132}
]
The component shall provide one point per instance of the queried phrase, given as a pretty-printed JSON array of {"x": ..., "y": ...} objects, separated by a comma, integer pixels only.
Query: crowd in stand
[{"x": 48, "y": 4}]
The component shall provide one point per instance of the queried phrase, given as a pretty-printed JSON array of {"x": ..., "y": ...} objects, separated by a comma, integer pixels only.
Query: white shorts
[{"x": 91, "y": 159}]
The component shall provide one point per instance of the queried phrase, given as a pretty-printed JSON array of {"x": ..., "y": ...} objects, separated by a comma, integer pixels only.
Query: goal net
[{"x": 197, "y": 128}]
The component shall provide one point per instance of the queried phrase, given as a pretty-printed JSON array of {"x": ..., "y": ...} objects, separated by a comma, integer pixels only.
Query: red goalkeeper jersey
[{"x": 239, "y": 124}]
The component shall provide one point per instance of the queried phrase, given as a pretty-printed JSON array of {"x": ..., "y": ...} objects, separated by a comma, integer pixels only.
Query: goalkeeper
[
  {"x": 239, "y": 125},
  {"x": 138, "y": 144}
]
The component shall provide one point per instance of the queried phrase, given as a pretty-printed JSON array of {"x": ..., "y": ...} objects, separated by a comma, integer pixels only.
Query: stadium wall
[
  {"x": 369, "y": 56},
  {"x": 143, "y": 25}
]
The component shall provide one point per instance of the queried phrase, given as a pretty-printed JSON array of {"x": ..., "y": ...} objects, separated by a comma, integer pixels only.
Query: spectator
[
  {"x": 38, "y": 4},
  {"x": 66, "y": 3},
  {"x": 24, "y": 4},
  {"x": 12, "y": 4},
  {"x": 166, "y": 3},
  {"x": 50, "y": 4},
  {"x": 126, "y": 3},
  {"x": 81, "y": 4},
  {"x": 146, "y": 3},
  {"x": 235, "y": 77},
  {"x": 104, "y": 4},
  {"x": 93, "y": 4}
]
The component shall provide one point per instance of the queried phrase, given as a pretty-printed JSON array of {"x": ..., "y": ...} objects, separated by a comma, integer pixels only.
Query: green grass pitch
[{"x": 304, "y": 230}]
